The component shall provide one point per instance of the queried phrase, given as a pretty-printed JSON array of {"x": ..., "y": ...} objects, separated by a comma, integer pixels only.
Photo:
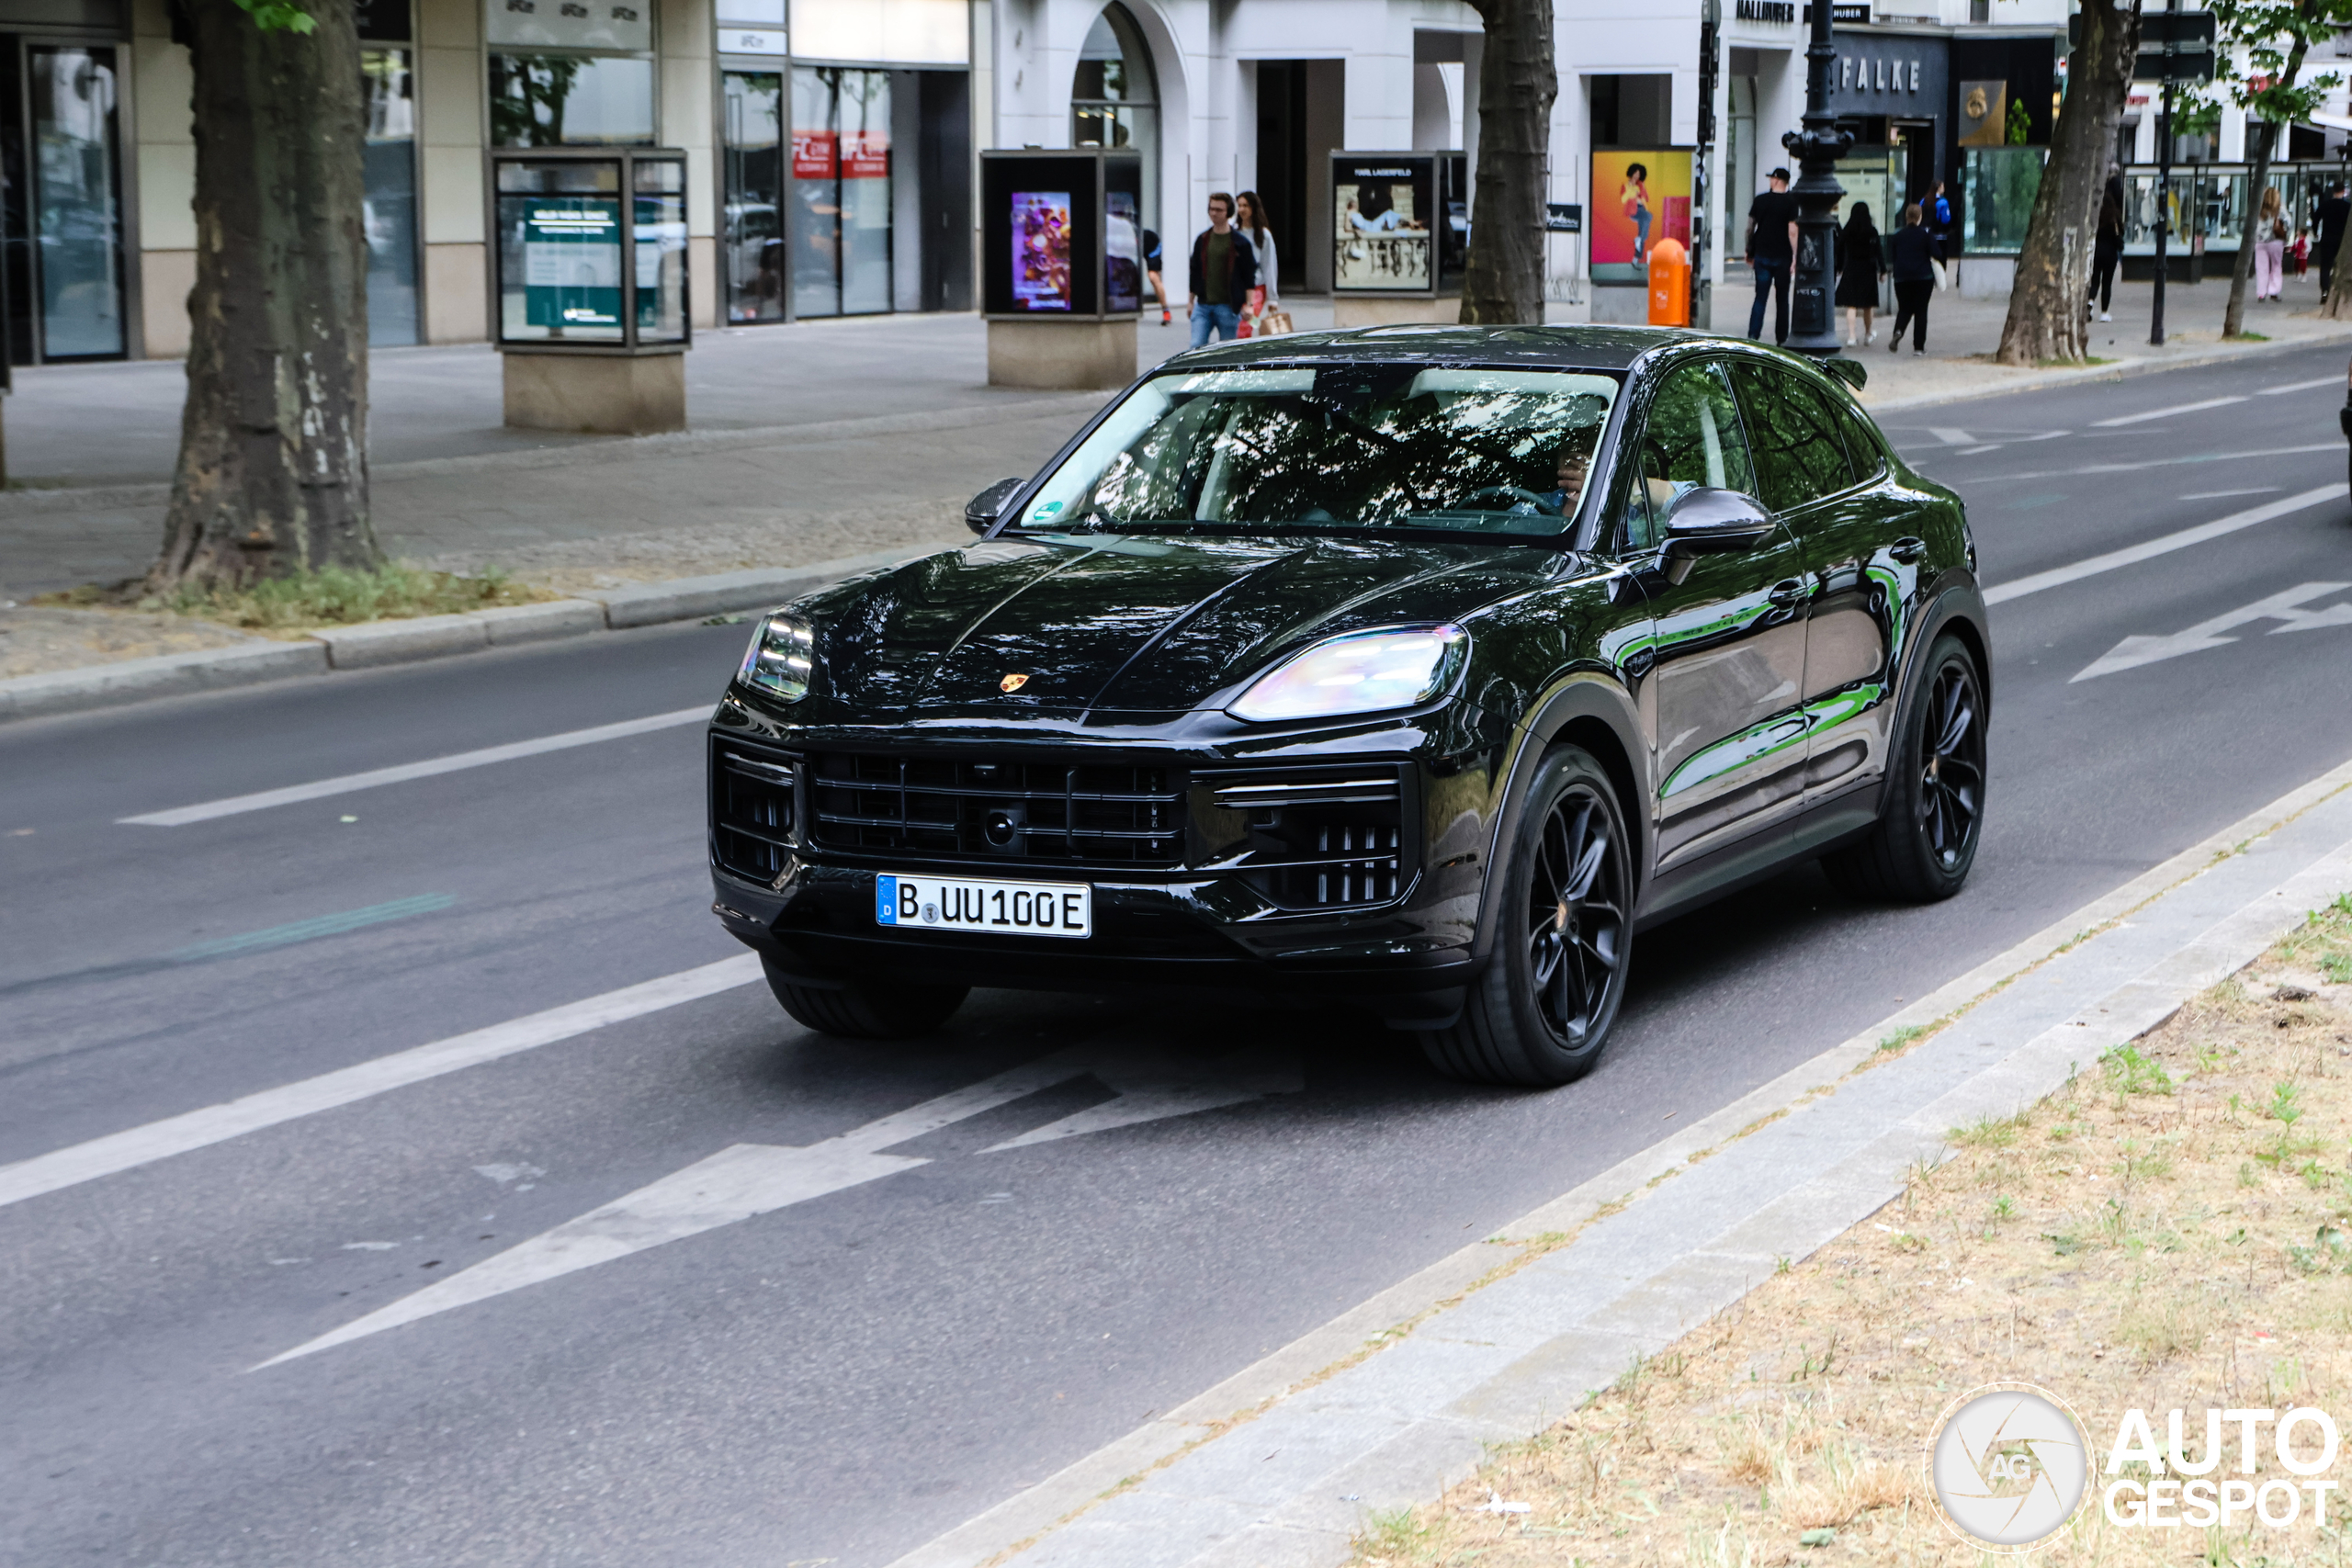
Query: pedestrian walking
[
  {"x": 1251, "y": 219},
  {"x": 1914, "y": 280},
  {"x": 2270, "y": 245},
  {"x": 1861, "y": 265},
  {"x": 2106, "y": 244},
  {"x": 1151, "y": 270},
  {"x": 1771, "y": 249},
  {"x": 2331, "y": 215},
  {"x": 1223, "y": 268}
]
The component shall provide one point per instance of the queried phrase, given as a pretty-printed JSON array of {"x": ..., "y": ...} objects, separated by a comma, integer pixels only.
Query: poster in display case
[
  {"x": 1062, "y": 233},
  {"x": 1385, "y": 220},
  {"x": 1640, "y": 196},
  {"x": 592, "y": 249}
]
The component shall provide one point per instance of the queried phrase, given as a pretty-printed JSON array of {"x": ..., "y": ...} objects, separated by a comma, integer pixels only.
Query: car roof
[{"x": 1561, "y": 347}]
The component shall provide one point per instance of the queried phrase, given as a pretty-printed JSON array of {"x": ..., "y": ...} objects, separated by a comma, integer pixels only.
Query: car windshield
[{"x": 1336, "y": 447}]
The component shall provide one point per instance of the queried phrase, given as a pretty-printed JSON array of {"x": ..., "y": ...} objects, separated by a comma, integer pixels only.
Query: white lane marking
[
  {"x": 2134, "y": 651},
  {"x": 2133, "y": 467},
  {"x": 1952, "y": 437},
  {"x": 2058, "y": 577},
  {"x": 745, "y": 1180},
  {"x": 2222, "y": 494},
  {"x": 2165, "y": 413},
  {"x": 126, "y": 1150},
  {"x": 2301, "y": 386},
  {"x": 181, "y": 815},
  {"x": 1972, "y": 451}
]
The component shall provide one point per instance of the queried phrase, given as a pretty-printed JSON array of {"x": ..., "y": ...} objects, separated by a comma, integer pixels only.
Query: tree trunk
[
  {"x": 273, "y": 465},
  {"x": 2337, "y": 305},
  {"x": 2233, "y": 318},
  {"x": 2050, "y": 305},
  {"x": 1503, "y": 279}
]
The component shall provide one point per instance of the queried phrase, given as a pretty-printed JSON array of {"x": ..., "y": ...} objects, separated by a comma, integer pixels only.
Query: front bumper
[{"x": 1210, "y": 914}]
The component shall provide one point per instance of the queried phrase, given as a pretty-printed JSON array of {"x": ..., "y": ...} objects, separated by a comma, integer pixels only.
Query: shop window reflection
[{"x": 841, "y": 187}]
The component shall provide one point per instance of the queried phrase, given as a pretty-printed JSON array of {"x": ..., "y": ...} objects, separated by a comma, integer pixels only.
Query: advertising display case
[
  {"x": 1061, "y": 234},
  {"x": 592, "y": 249},
  {"x": 1386, "y": 220},
  {"x": 591, "y": 310},
  {"x": 1640, "y": 196},
  {"x": 1061, "y": 268}
]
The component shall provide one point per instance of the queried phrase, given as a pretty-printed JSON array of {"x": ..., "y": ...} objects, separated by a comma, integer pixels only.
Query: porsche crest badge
[{"x": 1012, "y": 683}]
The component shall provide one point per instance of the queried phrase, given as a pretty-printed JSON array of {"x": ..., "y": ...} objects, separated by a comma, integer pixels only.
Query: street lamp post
[{"x": 1813, "y": 322}]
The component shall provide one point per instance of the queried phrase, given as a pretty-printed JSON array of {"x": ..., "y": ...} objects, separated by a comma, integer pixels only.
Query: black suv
[{"x": 1418, "y": 666}]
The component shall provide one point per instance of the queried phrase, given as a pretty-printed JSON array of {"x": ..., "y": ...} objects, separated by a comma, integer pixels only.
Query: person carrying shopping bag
[
  {"x": 1860, "y": 268},
  {"x": 2270, "y": 246},
  {"x": 1915, "y": 281},
  {"x": 1265, "y": 299}
]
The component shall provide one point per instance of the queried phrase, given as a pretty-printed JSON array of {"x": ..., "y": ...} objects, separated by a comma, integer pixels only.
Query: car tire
[
  {"x": 855, "y": 1010},
  {"x": 1933, "y": 814},
  {"x": 1541, "y": 1013}
]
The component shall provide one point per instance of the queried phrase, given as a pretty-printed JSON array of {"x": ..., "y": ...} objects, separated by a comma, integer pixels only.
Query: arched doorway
[{"x": 1114, "y": 102}]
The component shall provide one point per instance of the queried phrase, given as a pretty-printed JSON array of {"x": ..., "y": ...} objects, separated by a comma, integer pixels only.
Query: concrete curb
[
  {"x": 381, "y": 643},
  {"x": 1371, "y": 1437}
]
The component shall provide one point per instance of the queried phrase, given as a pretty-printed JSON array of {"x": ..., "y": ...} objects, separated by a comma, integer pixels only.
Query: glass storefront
[
  {"x": 752, "y": 131},
  {"x": 841, "y": 190},
  {"x": 390, "y": 209},
  {"x": 570, "y": 76},
  {"x": 62, "y": 164}
]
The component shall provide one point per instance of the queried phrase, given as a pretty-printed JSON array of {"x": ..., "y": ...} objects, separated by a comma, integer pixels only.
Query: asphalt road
[{"x": 844, "y": 1376}]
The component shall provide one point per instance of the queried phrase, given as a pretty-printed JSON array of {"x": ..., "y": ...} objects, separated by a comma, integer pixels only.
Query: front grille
[
  {"x": 1073, "y": 812},
  {"x": 750, "y": 810},
  {"x": 1331, "y": 839}
]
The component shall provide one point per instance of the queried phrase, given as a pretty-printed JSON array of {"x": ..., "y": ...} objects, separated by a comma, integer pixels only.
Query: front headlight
[
  {"x": 783, "y": 652},
  {"x": 1397, "y": 667}
]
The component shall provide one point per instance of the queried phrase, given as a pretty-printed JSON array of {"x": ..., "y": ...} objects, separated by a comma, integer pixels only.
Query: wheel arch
[{"x": 1587, "y": 709}]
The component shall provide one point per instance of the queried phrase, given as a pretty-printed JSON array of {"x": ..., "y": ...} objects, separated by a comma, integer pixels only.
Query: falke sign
[{"x": 1888, "y": 74}]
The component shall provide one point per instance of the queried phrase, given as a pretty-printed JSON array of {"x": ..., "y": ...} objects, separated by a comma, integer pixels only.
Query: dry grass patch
[
  {"x": 2174, "y": 1228},
  {"x": 288, "y": 606}
]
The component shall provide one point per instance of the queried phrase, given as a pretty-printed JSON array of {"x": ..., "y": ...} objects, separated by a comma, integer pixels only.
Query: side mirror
[
  {"x": 1705, "y": 521},
  {"x": 980, "y": 513}
]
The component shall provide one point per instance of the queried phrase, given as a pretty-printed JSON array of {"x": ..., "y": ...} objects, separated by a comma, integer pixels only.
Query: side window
[
  {"x": 1862, "y": 443},
  {"x": 1799, "y": 457},
  {"x": 1691, "y": 436}
]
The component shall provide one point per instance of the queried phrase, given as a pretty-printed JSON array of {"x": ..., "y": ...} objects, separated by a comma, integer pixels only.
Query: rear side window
[
  {"x": 1691, "y": 436},
  {"x": 1799, "y": 457},
  {"x": 1864, "y": 448}
]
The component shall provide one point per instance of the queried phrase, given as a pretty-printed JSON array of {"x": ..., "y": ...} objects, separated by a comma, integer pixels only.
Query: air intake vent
[
  {"x": 1332, "y": 840},
  {"x": 752, "y": 809}
]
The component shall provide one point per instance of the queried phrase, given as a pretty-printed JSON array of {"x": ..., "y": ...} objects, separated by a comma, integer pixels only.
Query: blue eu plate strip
[{"x": 885, "y": 901}]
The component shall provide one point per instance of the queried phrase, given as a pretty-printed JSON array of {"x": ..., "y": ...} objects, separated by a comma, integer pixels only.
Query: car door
[
  {"x": 1720, "y": 698},
  {"x": 1862, "y": 563}
]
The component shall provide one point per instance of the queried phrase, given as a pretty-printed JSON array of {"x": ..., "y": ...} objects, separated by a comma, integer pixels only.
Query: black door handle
[{"x": 1908, "y": 549}]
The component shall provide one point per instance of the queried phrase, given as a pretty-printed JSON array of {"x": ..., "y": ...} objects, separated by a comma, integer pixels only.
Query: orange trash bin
[{"x": 1669, "y": 284}]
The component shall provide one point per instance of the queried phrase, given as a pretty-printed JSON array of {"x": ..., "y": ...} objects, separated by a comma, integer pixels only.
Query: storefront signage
[
  {"x": 814, "y": 155},
  {"x": 752, "y": 41},
  {"x": 572, "y": 24},
  {"x": 866, "y": 154},
  {"x": 1888, "y": 74},
  {"x": 1563, "y": 216},
  {"x": 1783, "y": 11}
]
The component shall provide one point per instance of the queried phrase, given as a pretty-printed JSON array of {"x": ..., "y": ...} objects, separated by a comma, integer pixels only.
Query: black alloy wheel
[
  {"x": 1933, "y": 814},
  {"x": 1541, "y": 1011},
  {"x": 856, "y": 1011}
]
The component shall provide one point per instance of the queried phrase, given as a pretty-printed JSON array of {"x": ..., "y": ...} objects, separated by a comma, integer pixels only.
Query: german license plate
[{"x": 965, "y": 904}]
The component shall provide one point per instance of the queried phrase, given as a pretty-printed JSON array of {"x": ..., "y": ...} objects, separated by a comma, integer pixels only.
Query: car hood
[{"x": 1128, "y": 625}]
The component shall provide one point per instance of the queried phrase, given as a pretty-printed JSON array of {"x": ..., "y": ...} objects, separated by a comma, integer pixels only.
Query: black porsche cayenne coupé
[{"x": 1422, "y": 667}]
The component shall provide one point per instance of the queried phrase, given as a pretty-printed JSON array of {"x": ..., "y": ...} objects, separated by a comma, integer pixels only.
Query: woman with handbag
[
  {"x": 2270, "y": 246},
  {"x": 1265, "y": 316}
]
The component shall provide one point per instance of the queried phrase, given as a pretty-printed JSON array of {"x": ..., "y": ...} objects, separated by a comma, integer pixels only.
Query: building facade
[{"x": 831, "y": 143}]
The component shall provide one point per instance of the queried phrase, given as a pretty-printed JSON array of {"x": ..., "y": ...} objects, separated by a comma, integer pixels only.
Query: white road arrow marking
[
  {"x": 746, "y": 1180},
  {"x": 2134, "y": 651}
]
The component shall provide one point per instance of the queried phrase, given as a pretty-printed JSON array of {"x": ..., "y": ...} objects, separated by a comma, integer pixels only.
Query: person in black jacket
[
  {"x": 1859, "y": 267},
  {"x": 2332, "y": 214},
  {"x": 1223, "y": 268},
  {"x": 1915, "y": 281}
]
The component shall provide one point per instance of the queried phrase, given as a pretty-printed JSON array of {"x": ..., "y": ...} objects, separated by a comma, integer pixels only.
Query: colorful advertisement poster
[
  {"x": 1382, "y": 209},
  {"x": 1640, "y": 196},
  {"x": 1041, "y": 249},
  {"x": 571, "y": 264},
  {"x": 1121, "y": 251}
]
